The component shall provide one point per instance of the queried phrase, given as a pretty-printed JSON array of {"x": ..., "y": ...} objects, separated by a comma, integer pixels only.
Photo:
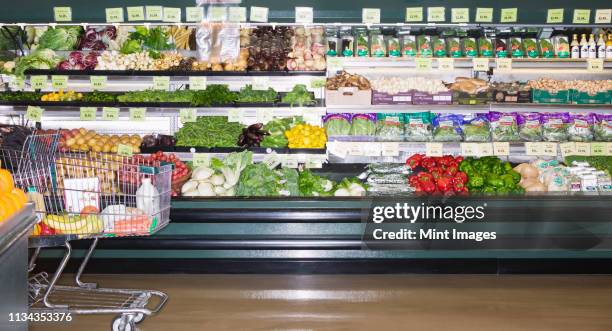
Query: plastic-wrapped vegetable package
[
  {"x": 603, "y": 127},
  {"x": 390, "y": 127},
  {"x": 363, "y": 125},
  {"x": 476, "y": 128},
  {"x": 554, "y": 126},
  {"x": 530, "y": 127},
  {"x": 580, "y": 127},
  {"x": 228, "y": 42},
  {"x": 447, "y": 127},
  {"x": 337, "y": 124},
  {"x": 504, "y": 126},
  {"x": 418, "y": 126}
]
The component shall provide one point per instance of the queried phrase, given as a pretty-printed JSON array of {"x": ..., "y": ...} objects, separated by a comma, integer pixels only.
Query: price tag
[
  {"x": 172, "y": 14},
  {"x": 485, "y": 149},
  {"x": 200, "y": 160},
  {"x": 312, "y": 118},
  {"x": 434, "y": 149},
  {"x": 583, "y": 149},
  {"x": 598, "y": 149},
  {"x": 304, "y": 15},
  {"x": 337, "y": 148},
  {"x": 161, "y": 83},
  {"x": 554, "y": 15},
  {"x": 548, "y": 149},
  {"x": 264, "y": 115},
  {"x": 124, "y": 150},
  {"x": 194, "y": 14},
  {"x": 138, "y": 114},
  {"x": 237, "y": 14},
  {"x": 503, "y": 64},
  {"x": 271, "y": 160},
  {"x": 59, "y": 82},
  {"x": 34, "y": 113},
  {"x": 354, "y": 149},
  {"x": 414, "y": 14},
  {"x": 532, "y": 149},
  {"x": 509, "y": 15},
  {"x": 259, "y": 14},
  {"x": 501, "y": 148},
  {"x": 435, "y": 14},
  {"x": 480, "y": 64},
  {"x": 136, "y": 13},
  {"x": 317, "y": 82},
  {"x": 484, "y": 15},
  {"x": 62, "y": 14},
  {"x": 197, "y": 83},
  {"x": 187, "y": 115},
  {"x": 38, "y": 82},
  {"x": 16, "y": 83},
  {"x": 370, "y": 15},
  {"x": 98, "y": 82},
  {"x": 154, "y": 13},
  {"x": 260, "y": 83},
  {"x": 446, "y": 64},
  {"x": 595, "y": 65},
  {"x": 114, "y": 15},
  {"x": 460, "y": 15},
  {"x": 422, "y": 63},
  {"x": 335, "y": 63},
  {"x": 290, "y": 161},
  {"x": 469, "y": 149},
  {"x": 88, "y": 113},
  {"x": 217, "y": 14},
  {"x": 582, "y": 16},
  {"x": 235, "y": 115},
  {"x": 567, "y": 149},
  {"x": 390, "y": 149},
  {"x": 110, "y": 114},
  {"x": 314, "y": 162},
  {"x": 371, "y": 149},
  {"x": 603, "y": 16}
]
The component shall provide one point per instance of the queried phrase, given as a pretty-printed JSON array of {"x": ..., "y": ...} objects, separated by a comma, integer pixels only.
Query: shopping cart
[{"x": 90, "y": 196}]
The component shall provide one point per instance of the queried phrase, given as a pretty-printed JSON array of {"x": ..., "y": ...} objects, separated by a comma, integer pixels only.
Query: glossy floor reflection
[{"x": 367, "y": 302}]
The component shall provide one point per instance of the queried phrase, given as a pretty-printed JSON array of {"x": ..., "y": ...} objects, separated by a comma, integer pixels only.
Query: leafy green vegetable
[
  {"x": 213, "y": 94},
  {"x": 292, "y": 179},
  {"x": 63, "y": 38},
  {"x": 41, "y": 58},
  {"x": 154, "y": 40},
  {"x": 156, "y": 96},
  {"x": 603, "y": 163},
  {"x": 130, "y": 46},
  {"x": 277, "y": 128},
  {"x": 363, "y": 125},
  {"x": 247, "y": 94},
  {"x": 337, "y": 124},
  {"x": 258, "y": 180},
  {"x": 312, "y": 185},
  {"x": 20, "y": 96},
  {"x": 97, "y": 96},
  {"x": 299, "y": 95},
  {"x": 209, "y": 131}
]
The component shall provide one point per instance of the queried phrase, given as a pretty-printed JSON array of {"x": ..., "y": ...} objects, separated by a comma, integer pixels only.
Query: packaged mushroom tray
[
  {"x": 471, "y": 91},
  {"x": 348, "y": 89},
  {"x": 409, "y": 90},
  {"x": 546, "y": 90}
]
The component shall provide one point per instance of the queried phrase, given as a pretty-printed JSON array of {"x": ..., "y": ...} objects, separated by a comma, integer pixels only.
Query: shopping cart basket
[{"x": 90, "y": 196}]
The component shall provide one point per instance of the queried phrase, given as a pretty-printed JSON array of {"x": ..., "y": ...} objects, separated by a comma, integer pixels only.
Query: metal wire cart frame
[{"x": 89, "y": 196}]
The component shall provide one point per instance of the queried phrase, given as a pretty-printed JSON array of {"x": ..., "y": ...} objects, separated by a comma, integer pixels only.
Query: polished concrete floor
[{"x": 367, "y": 302}]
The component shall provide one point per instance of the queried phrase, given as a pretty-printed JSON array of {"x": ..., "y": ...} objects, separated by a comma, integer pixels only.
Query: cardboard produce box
[
  {"x": 543, "y": 96},
  {"x": 348, "y": 96},
  {"x": 503, "y": 96},
  {"x": 480, "y": 98},
  {"x": 424, "y": 98},
  {"x": 382, "y": 98},
  {"x": 584, "y": 98}
]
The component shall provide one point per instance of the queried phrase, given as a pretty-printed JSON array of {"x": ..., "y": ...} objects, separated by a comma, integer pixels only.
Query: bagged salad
[
  {"x": 476, "y": 128},
  {"x": 504, "y": 126},
  {"x": 530, "y": 127},
  {"x": 363, "y": 125},
  {"x": 447, "y": 127},
  {"x": 602, "y": 127},
  {"x": 390, "y": 127},
  {"x": 554, "y": 126},
  {"x": 580, "y": 127},
  {"x": 418, "y": 126},
  {"x": 337, "y": 124}
]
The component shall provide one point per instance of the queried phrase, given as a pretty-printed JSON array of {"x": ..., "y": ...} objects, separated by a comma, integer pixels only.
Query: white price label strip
[
  {"x": 272, "y": 160},
  {"x": 434, "y": 149}
]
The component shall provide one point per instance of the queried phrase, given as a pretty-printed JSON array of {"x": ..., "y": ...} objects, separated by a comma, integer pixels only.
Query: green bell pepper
[{"x": 475, "y": 181}]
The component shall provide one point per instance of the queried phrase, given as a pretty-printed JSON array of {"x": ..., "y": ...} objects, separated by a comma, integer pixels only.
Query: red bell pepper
[
  {"x": 461, "y": 176},
  {"x": 445, "y": 183},
  {"x": 414, "y": 161}
]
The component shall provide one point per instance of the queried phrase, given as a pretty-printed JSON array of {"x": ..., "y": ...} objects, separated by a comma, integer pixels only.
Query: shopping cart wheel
[
  {"x": 123, "y": 323},
  {"x": 138, "y": 318}
]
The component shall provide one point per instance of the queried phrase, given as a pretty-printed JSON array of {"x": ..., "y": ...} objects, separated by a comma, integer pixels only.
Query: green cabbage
[
  {"x": 60, "y": 38},
  {"x": 39, "y": 59}
]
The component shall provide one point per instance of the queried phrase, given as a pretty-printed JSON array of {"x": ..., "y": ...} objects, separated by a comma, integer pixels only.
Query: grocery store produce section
[{"x": 277, "y": 123}]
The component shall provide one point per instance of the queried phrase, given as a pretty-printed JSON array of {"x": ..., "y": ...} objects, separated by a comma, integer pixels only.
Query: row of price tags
[
  {"x": 311, "y": 161},
  {"x": 344, "y": 149},
  {"x": 111, "y": 114},
  {"x": 305, "y": 15}
]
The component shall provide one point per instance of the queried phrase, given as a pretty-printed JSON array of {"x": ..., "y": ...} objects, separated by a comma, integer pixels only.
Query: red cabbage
[
  {"x": 75, "y": 57},
  {"x": 64, "y": 65}
]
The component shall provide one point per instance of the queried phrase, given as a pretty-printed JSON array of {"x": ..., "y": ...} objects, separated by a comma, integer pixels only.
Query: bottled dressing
[
  {"x": 584, "y": 47},
  {"x": 575, "y": 47},
  {"x": 592, "y": 47}
]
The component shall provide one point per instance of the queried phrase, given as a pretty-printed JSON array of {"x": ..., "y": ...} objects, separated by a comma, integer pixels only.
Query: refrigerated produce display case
[{"x": 282, "y": 136}]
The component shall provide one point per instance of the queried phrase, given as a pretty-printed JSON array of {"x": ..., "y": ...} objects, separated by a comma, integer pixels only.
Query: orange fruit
[
  {"x": 20, "y": 194},
  {"x": 8, "y": 205},
  {"x": 16, "y": 200},
  {"x": 87, "y": 210},
  {"x": 6, "y": 181}
]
